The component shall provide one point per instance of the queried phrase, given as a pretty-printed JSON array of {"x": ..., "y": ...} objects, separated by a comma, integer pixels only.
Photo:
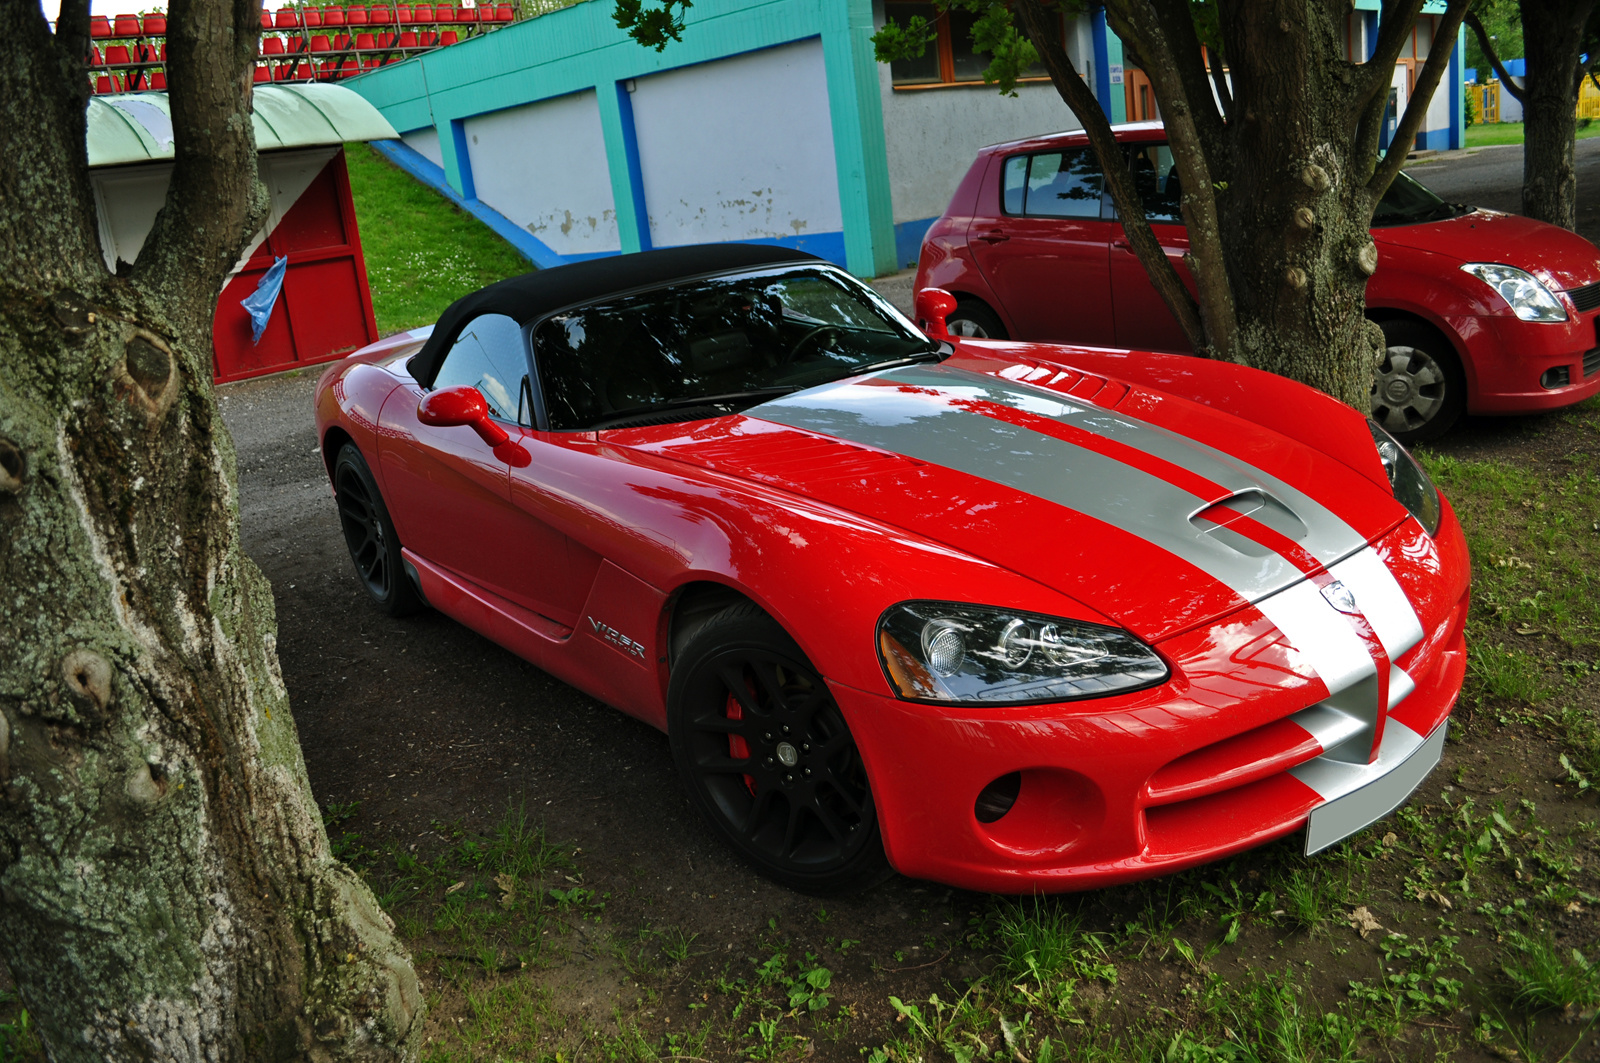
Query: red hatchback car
[{"x": 1484, "y": 312}]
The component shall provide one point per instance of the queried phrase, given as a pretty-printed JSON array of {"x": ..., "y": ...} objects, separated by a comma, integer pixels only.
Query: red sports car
[
  {"x": 1008, "y": 616},
  {"x": 1483, "y": 312}
]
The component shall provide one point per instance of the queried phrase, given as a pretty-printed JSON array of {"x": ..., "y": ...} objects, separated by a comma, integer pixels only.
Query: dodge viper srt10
[{"x": 1009, "y": 616}]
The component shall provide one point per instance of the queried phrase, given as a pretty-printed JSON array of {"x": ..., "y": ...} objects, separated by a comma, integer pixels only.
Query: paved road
[{"x": 1492, "y": 177}]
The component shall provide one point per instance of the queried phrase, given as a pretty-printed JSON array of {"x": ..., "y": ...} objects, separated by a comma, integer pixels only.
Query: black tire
[
  {"x": 1419, "y": 390},
  {"x": 796, "y": 803},
  {"x": 972, "y": 320},
  {"x": 369, "y": 535}
]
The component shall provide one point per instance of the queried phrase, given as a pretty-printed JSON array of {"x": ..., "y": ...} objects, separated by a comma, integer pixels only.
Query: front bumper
[
  {"x": 1509, "y": 357},
  {"x": 1234, "y": 751}
]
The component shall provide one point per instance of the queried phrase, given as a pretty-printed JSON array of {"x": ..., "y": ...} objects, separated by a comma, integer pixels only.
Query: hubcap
[
  {"x": 788, "y": 755},
  {"x": 1409, "y": 389},
  {"x": 967, "y": 329}
]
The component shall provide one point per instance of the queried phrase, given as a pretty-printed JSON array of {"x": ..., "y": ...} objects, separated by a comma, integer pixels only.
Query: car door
[
  {"x": 449, "y": 495},
  {"x": 1144, "y": 321},
  {"x": 1040, "y": 240}
]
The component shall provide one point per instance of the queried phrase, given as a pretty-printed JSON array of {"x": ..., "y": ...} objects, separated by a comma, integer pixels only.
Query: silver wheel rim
[
  {"x": 1409, "y": 390},
  {"x": 967, "y": 329}
]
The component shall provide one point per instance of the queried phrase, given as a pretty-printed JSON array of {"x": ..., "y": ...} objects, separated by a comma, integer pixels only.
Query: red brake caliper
[{"x": 738, "y": 748}]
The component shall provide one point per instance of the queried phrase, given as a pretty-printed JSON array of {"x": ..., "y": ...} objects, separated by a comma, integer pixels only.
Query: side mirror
[
  {"x": 461, "y": 406},
  {"x": 932, "y": 307}
]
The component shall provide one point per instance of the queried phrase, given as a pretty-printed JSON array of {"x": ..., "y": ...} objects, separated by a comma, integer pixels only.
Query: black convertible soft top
[{"x": 534, "y": 294}]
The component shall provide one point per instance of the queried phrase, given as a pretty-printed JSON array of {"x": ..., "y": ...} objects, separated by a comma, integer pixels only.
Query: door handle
[
  {"x": 1119, "y": 242},
  {"x": 994, "y": 236}
]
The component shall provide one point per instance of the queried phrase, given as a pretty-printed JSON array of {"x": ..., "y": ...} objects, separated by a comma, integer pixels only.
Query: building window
[{"x": 949, "y": 59}]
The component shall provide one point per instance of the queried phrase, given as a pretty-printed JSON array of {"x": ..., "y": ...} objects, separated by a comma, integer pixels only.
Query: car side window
[
  {"x": 1155, "y": 177},
  {"x": 490, "y": 354},
  {"x": 1056, "y": 184}
]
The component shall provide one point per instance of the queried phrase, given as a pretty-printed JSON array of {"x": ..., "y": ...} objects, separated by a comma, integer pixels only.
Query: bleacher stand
[{"x": 128, "y": 53}]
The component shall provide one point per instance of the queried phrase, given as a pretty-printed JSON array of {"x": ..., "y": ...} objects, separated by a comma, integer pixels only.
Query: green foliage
[
  {"x": 994, "y": 33},
  {"x": 1502, "y": 20},
  {"x": 1469, "y": 104},
  {"x": 653, "y": 27},
  {"x": 1545, "y": 976},
  {"x": 19, "y": 1041}
]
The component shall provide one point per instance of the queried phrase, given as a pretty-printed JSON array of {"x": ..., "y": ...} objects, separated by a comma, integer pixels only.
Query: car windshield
[
  {"x": 1408, "y": 202},
  {"x": 704, "y": 347}
]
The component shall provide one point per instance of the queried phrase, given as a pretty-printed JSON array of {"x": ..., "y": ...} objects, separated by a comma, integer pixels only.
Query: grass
[
  {"x": 422, "y": 252},
  {"x": 1482, "y": 135}
]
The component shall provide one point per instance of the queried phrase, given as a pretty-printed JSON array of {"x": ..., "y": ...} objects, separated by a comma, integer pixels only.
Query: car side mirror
[
  {"x": 461, "y": 406},
  {"x": 932, "y": 307}
]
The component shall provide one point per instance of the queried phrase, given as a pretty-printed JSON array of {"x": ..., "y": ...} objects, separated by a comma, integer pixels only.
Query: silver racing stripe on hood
[{"x": 928, "y": 413}]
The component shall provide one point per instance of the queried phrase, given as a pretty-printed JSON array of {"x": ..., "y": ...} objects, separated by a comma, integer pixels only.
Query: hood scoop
[{"x": 1220, "y": 521}]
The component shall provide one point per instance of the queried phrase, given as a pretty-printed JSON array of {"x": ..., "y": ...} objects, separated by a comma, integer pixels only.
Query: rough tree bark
[
  {"x": 1280, "y": 175},
  {"x": 166, "y": 887},
  {"x": 1556, "y": 34}
]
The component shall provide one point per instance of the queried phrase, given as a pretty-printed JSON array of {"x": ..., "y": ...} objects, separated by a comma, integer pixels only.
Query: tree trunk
[
  {"x": 168, "y": 890},
  {"x": 1552, "y": 36},
  {"x": 1294, "y": 213}
]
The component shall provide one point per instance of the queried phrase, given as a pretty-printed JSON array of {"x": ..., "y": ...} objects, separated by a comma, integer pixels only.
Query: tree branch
[
  {"x": 1421, "y": 95},
  {"x": 1393, "y": 29},
  {"x": 1494, "y": 59},
  {"x": 1166, "y": 35},
  {"x": 1039, "y": 22},
  {"x": 215, "y": 203}
]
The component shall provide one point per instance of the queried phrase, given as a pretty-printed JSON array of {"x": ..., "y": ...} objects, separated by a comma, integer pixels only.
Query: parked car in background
[
  {"x": 1484, "y": 312},
  {"x": 1007, "y": 616}
]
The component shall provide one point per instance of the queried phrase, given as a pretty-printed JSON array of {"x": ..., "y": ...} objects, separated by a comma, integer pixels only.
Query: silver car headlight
[
  {"x": 1530, "y": 300},
  {"x": 948, "y": 652},
  {"x": 1407, "y": 480}
]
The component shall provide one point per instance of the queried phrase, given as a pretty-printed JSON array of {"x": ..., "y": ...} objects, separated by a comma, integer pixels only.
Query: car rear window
[{"x": 1053, "y": 184}]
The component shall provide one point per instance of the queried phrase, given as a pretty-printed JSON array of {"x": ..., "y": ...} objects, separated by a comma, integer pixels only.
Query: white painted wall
[
  {"x": 543, "y": 166},
  {"x": 425, "y": 142},
  {"x": 739, "y": 148},
  {"x": 932, "y": 134}
]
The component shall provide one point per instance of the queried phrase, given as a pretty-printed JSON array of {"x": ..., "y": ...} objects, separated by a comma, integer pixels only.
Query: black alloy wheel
[
  {"x": 1418, "y": 390},
  {"x": 369, "y": 534},
  {"x": 971, "y": 320},
  {"x": 767, "y": 757}
]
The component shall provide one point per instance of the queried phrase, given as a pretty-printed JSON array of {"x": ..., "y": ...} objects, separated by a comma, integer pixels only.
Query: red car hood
[
  {"x": 1549, "y": 252},
  {"x": 1101, "y": 501}
]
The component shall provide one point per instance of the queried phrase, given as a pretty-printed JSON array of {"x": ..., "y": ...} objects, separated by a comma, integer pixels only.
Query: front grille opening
[
  {"x": 1591, "y": 363},
  {"x": 1559, "y": 377},
  {"x": 1585, "y": 298},
  {"x": 996, "y": 799}
]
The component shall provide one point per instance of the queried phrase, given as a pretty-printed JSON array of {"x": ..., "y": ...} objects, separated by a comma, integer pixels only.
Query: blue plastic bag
[{"x": 259, "y": 303}]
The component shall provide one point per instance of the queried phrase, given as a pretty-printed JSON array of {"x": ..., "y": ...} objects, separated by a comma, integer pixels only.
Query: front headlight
[
  {"x": 974, "y": 654},
  {"x": 1410, "y": 484},
  {"x": 1530, "y": 300}
]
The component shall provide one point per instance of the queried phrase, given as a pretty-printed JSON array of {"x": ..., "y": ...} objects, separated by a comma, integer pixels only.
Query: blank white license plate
[{"x": 1345, "y": 815}]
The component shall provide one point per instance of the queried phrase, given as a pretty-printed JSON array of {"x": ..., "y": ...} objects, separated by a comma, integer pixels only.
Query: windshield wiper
[
  {"x": 705, "y": 400},
  {"x": 933, "y": 354}
]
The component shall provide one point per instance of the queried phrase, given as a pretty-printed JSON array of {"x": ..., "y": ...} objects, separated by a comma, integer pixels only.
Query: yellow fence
[
  {"x": 1589, "y": 100},
  {"x": 1487, "y": 99}
]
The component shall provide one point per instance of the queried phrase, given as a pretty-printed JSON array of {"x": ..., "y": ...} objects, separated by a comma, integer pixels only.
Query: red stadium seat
[
  {"x": 296, "y": 45},
  {"x": 402, "y": 14},
  {"x": 126, "y": 26},
  {"x": 379, "y": 15},
  {"x": 99, "y": 27},
  {"x": 272, "y": 46},
  {"x": 422, "y": 13},
  {"x": 266, "y": 20},
  {"x": 262, "y": 74},
  {"x": 365, "y": 42},
  {"x": 349, "y": 68},
  {"x": 428, "y": 39},
  {"x": 448, "y": 37},
  {"x": 158, "y": 81},
  {"x": 506, "y": 13},
  {"x": 95, "y": 58},
  {"x": 444, "y": 13},
  {"x": 312, "y": 17},
  {"x": 369, "y": 64},
  {"x": 355, "y": 16},
  {"x": 341, "y": 41},
  {"x": 333, "y": 16},
  {"x": 280, "y": 72},
  {"x": 408, "y": 39},
  {"x": 155, "y": 25},
  {"x": 321, "y": 43},
  {"x": 287, "y": 18},
  {"x": 104, "y": 85},
  {"x": 117, "y": 55}
]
